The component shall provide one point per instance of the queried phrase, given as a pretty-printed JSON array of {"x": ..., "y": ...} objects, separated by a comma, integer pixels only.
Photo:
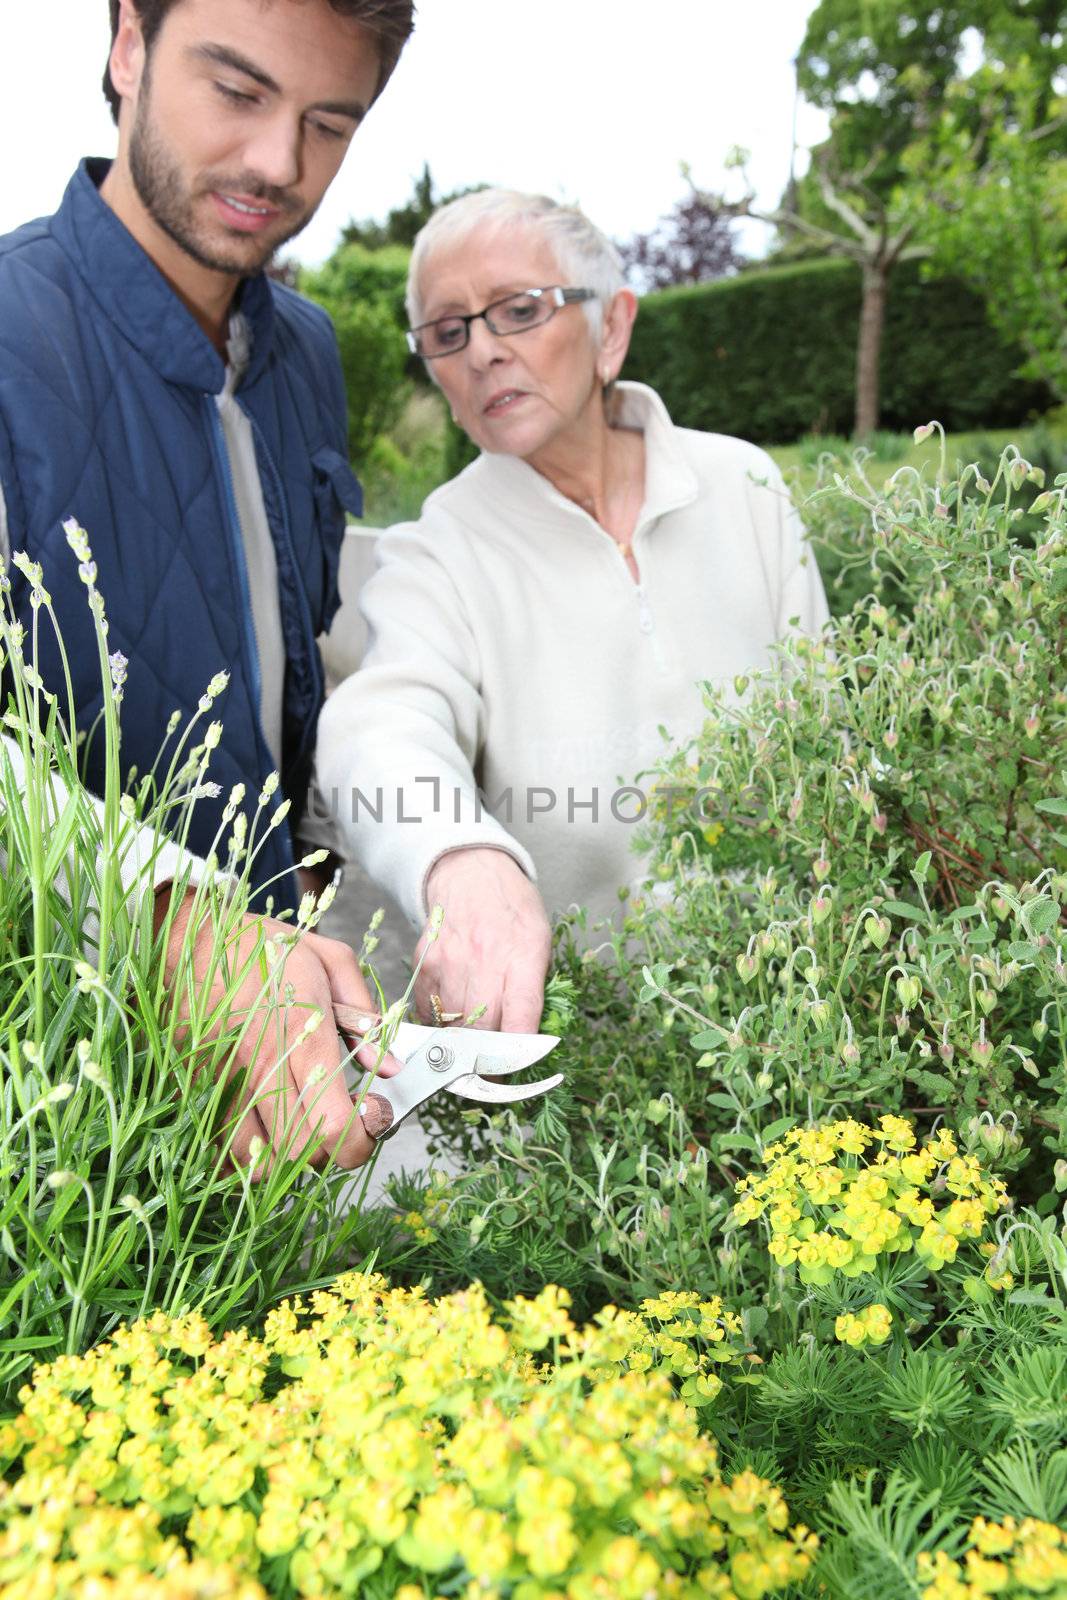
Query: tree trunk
[{"x": 868, "y": 354}]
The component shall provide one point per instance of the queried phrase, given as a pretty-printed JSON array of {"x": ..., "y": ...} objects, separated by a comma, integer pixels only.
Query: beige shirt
[{"x": 510, "y": 646}]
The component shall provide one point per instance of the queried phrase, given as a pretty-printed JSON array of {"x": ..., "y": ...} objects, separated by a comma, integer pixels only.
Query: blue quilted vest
[{"x": 107, "y": 414}]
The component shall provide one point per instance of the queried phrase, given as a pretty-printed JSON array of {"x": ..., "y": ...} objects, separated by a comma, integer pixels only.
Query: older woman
[{"x": 555, "y": 607}]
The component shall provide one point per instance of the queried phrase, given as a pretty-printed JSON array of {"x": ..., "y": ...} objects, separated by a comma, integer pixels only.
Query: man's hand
[
  {"x": 295, "y": 1093},
  {"x": 494, "y": 945}
]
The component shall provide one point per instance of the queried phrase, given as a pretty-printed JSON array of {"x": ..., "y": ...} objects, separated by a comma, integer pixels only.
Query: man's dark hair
[{"x": 389, "y": 21}]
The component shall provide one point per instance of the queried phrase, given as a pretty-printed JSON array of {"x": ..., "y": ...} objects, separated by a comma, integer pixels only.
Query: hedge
[{"x": 770, "y": 355}]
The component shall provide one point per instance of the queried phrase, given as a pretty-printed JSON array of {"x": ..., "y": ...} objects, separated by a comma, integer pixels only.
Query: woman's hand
[
  {"x": 295, "y": 1093},
  {"x": 494, "y": 945}
]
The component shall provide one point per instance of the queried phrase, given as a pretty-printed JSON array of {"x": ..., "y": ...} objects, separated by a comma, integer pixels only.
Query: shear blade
[
  {"x": 517, "y": 1051},
  {"x": 474, "y": 1087}
]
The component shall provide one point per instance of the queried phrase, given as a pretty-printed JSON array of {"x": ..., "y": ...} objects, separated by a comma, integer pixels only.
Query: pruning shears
[{"x": 447, "y": 1058}]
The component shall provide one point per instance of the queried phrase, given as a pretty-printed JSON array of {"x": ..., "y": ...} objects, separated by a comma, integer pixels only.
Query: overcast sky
[{"x": 595, "y": 101}]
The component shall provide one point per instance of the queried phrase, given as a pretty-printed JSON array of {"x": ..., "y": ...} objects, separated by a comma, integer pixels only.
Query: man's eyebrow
[{"x": 221, "y": 55}]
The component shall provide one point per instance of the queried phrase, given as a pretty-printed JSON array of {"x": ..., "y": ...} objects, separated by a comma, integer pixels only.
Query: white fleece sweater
[{"x": 510, "y": 647}]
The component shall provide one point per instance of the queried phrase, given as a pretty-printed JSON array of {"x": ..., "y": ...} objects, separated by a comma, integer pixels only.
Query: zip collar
[{"x": 670, "y": 482}]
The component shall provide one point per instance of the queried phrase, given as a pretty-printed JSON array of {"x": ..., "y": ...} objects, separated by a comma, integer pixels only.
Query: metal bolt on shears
[{"x": 454, "y": 1059}]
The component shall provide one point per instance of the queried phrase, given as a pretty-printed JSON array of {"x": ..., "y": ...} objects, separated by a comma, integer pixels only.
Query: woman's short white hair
[{"x": 586, "y": 258}]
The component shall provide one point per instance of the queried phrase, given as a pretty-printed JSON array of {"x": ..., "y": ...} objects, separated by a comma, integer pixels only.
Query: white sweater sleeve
[
  {"x": 145, "y": 859},
  {"x": 800, "y": 600},
  {"x": 399, "y": 740}
]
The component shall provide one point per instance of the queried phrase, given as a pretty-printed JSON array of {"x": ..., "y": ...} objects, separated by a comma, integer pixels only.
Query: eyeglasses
[{"x": 514, "y": 314}]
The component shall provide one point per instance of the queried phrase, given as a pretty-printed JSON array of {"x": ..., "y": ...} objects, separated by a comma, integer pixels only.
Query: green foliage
[
  {"x": 363, "y": 291},
  {"x": 356, "y": 275},
  {"x": 875, "y": 67},
  {"x": 770, "y": 355},
  {"x": 862, "y": 915},
  {"x": 992, "y": 201}
]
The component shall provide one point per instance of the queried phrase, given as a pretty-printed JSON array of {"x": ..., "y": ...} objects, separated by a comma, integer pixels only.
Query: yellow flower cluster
[
  {"x": 869, "y": 1326},
  {"x": 839, "y": 1197},
  {"x": 1005, "y": 1558},
  {"x": 375, "y": 1442},
  {"x": 423, "y": 1224}
]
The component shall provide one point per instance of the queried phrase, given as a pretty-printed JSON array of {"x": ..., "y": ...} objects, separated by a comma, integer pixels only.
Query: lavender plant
[{"x": 118, "y": 1193}]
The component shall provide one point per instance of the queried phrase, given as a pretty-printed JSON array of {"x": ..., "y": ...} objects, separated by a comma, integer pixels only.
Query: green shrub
[
  {"x": 372, "y": 361},
  {"x": 363, "y": 291},
  {"x": 866, "y": 913},
  {"x": 770, "y": 355},
  {"x": 354, "y": 275}
]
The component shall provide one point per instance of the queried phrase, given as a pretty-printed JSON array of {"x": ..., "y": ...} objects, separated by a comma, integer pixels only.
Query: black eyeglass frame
[{"x": 561, "y": 297}]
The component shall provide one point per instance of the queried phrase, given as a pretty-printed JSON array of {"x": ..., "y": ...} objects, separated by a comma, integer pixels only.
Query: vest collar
[{"x": 133, "y": 294}]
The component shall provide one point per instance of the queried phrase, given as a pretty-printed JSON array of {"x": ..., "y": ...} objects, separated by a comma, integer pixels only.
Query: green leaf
[
  {"x": 1055, "y": 808},
  {"x": 1040, "y": 916},
  {"x": 903, "y": 908},
  {"x": 707, "y": 1037},
  {"x": 776, "y": 1129}
]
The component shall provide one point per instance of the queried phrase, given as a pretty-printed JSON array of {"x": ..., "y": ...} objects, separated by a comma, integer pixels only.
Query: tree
[
  {"x": 403, "y": 223},
  {"x": 903, "y": 110},
  {"x": 694, "y": 243},
  {"x": 989, "y": 185},
  {"x": 871, "y": 233}
]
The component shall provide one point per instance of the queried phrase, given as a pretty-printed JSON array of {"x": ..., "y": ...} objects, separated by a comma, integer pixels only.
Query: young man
[{"x": 186, "y": 411}]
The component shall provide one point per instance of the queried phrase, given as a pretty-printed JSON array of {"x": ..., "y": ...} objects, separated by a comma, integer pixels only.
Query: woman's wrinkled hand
[{"x": 494, "y": 944}]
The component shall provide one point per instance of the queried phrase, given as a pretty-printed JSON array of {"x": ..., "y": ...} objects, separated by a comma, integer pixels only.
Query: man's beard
[{"x": 168, "y": 202}]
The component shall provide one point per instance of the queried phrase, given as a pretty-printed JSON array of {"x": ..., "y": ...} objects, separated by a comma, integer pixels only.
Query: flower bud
[{"x": 747, "y": 967}]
